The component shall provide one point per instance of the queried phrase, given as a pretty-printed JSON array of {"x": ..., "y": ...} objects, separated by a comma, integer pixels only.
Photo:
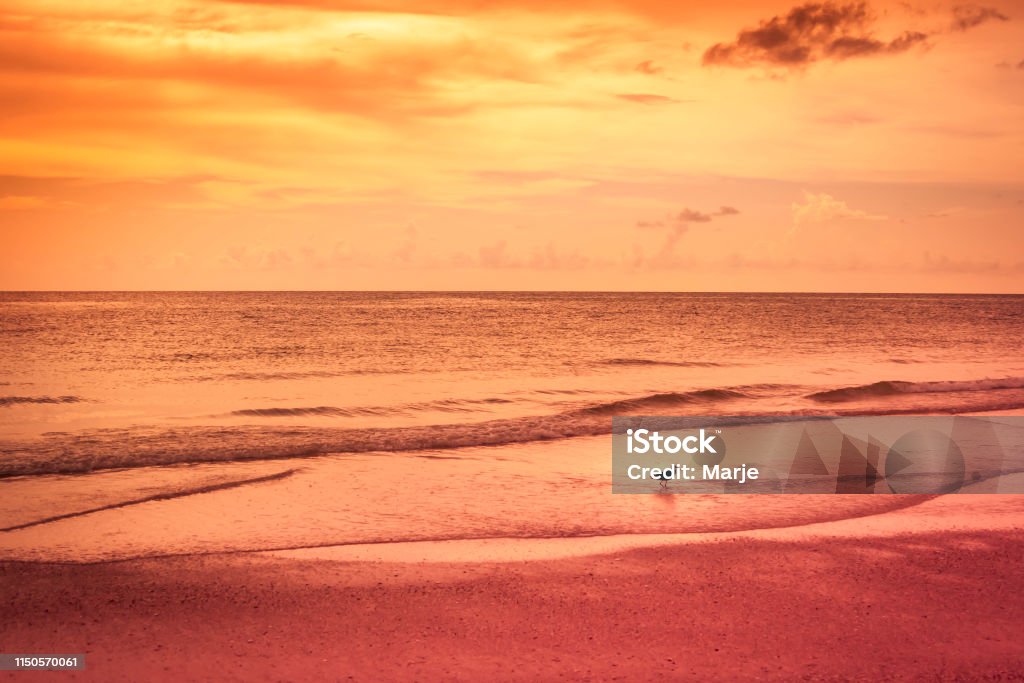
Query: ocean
[{"x": 239, "y": 421}]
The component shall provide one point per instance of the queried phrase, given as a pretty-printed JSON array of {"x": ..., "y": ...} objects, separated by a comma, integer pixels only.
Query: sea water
[{"x": 167, "y": 423}]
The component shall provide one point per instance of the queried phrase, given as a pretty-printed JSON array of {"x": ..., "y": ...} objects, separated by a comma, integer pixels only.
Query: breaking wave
[
  {"x": 64, "y": 453},
  {"x": 634, "y": 406},
  {"x": 896, "y": 388},
  {"x": 68, "y": 453}
]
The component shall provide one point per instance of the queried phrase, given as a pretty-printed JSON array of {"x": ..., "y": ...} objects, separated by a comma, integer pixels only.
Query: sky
[{"x": 737, "y": 145}]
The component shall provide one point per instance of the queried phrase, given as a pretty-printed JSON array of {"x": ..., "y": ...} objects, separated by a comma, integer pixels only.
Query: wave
[
  {"x": 167, "y": 495},
  {"x": 15, "y": 400},
  {"x": 299, "y": 412},
  {"x": 667, "y": 400},
  {"x": 284, "y": 375},
  {"x": 267, "y": 376},
  {"x": 461, "y": 404},
  {"x": 563, "y": 392},
  {"x": 452, "y": 405},
  {"x": 119, "y": 448},
  {"x": 649, "y": 361},
  {"x": 74, "y": 453},
  {"x": 897, "y": 388}
]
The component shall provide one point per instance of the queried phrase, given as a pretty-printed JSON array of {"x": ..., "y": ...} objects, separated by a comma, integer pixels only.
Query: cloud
[
  {"x": 849, "y": 118},
  {"x": 24, "y": 192},
  {"x": 651, "y": 9},
  {"x": 823, "y": 208},
  {"x": 21, "y": 203},
  {"x": 808, "y": 33},
  {"x": 373, "y": 81},
  {"x": 550, "y": 257},
  {"x": 339, "y": 255},
  {"x": 691, "y": 216},
  {"x": 107, "y": 68},
  {"x": 648, "y": 67},
  {"x": 966, "y": 17},
  {"x": 942, "y": 263},
  {"x": 647, "y": 98},
  {"x": 244, "y": 257},
  {"x": 675, "y": 226},
  {"x": 497, "y": 256},
  {"x": 687, "y": 216}
]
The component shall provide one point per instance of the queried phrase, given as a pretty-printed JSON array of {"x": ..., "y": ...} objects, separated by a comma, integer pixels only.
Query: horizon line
[{"x": 494, "y": 291}]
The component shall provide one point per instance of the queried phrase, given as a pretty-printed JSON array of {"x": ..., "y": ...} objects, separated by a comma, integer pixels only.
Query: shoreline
[
  {"x": 914, "y": 514},
  {"x": 957, "y": 513}
]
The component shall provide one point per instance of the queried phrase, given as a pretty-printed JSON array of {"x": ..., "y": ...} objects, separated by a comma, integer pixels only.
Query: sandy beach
[{"x": 821, "y": 602}]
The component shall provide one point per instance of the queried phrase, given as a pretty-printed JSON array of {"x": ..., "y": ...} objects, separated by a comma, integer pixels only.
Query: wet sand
[{"x": 936, "y": 605}]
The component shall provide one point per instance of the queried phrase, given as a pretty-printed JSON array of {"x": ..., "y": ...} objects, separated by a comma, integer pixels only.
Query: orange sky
[{"x": 476, "y": 144}]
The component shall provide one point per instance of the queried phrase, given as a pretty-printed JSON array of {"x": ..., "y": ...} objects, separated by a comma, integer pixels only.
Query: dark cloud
[
  {"x": 906, "y": 41},
  {"x": 966, "y": 17},
  {"x": 844, "y": 48},
  {"x": 691, "y": 216},
  {"x": 808, "y": 33},
  {"x": 828, "y": 30},
  {"x": 687, "y": 216}
]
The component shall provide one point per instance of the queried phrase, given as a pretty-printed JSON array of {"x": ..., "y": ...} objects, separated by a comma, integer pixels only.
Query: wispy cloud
[
  {"x": 966, "y": 17},
  {"x": 648, "y": 67},
  {"x": 648, "y": 98},
  {"x": 21, "y": 203}
]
